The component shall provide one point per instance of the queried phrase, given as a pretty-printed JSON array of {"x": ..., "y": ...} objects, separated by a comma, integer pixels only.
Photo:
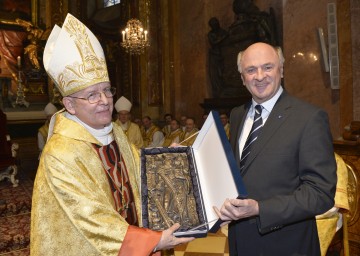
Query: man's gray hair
[{"x": 276, "y": 48}]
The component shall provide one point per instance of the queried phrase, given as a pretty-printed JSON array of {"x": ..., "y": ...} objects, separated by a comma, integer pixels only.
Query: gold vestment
[
  {"x": 327, "y": 225},
  {"x": 185, "y": 137},
  {"x": 73, "y": 211},
  {"x": 148, "y": 134},
  {"x": 172, "y": 137},
  {"x": 43, "y": 130},
  {"x": 132, "y": 132},
  {"x": 227, "y": 130}
]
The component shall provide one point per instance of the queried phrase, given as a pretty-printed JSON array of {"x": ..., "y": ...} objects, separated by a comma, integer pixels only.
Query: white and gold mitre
[
  {"x": 123, "y": 104},
  {"x": 74, "y": 58}
]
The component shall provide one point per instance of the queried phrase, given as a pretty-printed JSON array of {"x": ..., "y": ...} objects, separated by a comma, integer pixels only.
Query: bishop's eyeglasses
[{"x": 95, "y": 97}]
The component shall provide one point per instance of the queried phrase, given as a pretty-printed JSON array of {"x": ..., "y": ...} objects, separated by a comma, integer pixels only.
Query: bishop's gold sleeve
[{"x": 82, "y": 191}]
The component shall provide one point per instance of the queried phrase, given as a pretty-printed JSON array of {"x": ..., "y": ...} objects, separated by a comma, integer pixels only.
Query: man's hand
[
  {"x": 168, "y": 240},
  {"x": 235, "y": 209}
]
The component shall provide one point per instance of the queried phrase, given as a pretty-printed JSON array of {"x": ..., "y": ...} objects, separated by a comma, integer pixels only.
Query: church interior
[{"x": 185, "y": 65}]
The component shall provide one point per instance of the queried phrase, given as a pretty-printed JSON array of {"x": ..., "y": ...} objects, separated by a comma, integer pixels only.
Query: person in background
[
  {"x": 49, "y": 110},
  {"x": 138, "y": 122},
  {"x": 287, "y": 164},
  {"x": 86, "y": 197},
  {"x": 152, "y": 135},
  {"x": 204, "y": 117},
  {"x": 132, "y": 130},
  {"x": 183, "y": 119},
  {"x": 331, "y": 221},
  {"x": 166, "y": 129},
  {"x": 174, "y": 135},
  {"x": 225, "y": 121},
  {"x": 190, "y": 133}
]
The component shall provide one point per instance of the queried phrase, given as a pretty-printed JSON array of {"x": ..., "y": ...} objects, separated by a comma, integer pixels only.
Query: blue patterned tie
[{"x": 254, "y": 133}]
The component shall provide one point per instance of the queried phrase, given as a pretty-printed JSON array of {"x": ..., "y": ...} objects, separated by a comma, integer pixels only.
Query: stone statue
[
  {"x": 260, "y": 23},
  {"x": 250, "y": 25},
  {"x": 216, "y": 37}
]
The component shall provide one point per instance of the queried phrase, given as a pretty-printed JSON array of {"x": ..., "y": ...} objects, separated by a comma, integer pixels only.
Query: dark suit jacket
[{"x": 291, "y": 172}]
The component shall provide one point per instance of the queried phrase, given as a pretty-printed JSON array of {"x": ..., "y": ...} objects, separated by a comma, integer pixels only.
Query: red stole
[{"x": 117, "y": 173}]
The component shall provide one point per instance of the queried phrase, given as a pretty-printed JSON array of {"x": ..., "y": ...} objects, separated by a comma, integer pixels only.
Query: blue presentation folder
[{"x": 215, "y": 175}]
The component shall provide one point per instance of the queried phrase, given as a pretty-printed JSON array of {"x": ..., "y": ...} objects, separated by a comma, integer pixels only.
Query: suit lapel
[{"x": 277, "y": 117}]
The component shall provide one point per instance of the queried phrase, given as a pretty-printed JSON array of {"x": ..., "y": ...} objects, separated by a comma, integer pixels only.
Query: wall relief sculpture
[{"x": 250, "y": 25}]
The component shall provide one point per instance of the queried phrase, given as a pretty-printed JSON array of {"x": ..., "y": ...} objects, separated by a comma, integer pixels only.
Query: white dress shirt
[{"x": 267, "y": 107}]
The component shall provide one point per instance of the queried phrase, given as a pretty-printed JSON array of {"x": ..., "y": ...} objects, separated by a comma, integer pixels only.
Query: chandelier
[{"x": 134, "y": 37}]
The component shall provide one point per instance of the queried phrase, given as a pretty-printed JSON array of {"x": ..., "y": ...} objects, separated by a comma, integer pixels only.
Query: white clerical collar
[
  {"x": 104, "y": 135},
  {"x": 124, "y": 126}
]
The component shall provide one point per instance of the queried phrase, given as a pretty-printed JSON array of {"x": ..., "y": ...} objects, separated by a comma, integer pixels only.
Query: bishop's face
[
  {"x": 124, "y": 116},
  {"x": 96, "y": 115}
]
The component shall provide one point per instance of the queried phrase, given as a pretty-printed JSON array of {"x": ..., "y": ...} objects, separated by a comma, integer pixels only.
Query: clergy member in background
[
  {"x": 174, "y": 135},
  {"x": 49, "y": 110},
  {"x": 225, "y": 122},
  {"x": 167, "y": 118},
  {"x": 190, "y": 133},
  {"x": 86, "y": 198},
  {"x": 132, "y": 130},
  {"x": 331, "y": 221},
  {"x": 183, "y": 119},
  {"x": 152, "y": 135}
]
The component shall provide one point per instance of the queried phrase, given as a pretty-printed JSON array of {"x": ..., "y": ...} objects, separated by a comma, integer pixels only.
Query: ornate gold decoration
[
  {"x": 35, "y": 35},
  {"x": 92, "y": 67},
  {"x": 353, "y": 195},
  {"x": 20, "y": 93},
  {"x": 74, "y": 58},
  {"x": 134, "y": 37}
]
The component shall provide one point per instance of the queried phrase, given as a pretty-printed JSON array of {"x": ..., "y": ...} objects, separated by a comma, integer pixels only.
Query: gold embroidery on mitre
[{"x": 92, "y": 70}]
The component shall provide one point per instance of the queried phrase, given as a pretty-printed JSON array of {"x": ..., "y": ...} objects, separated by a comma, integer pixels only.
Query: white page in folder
[{"x": 214, "y": 171}]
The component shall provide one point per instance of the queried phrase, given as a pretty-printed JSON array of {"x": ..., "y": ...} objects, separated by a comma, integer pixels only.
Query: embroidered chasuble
[
  {"x": 188, "y": 138},
  {"x": 173, "y": 137},
  {"x": 133, "y": 132},
  {"x": 148, "y": 134}
]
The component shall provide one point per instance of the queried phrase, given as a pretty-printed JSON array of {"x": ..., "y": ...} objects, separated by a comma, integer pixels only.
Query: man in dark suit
[{"x": 289, "y": 171}]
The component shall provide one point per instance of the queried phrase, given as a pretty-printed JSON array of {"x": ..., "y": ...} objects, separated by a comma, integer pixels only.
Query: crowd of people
[{"x": 144, "y": 133}]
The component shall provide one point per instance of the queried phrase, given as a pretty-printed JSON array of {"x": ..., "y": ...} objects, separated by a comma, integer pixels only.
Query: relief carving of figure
[{"x": 171, "y": 198}]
